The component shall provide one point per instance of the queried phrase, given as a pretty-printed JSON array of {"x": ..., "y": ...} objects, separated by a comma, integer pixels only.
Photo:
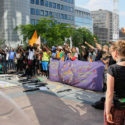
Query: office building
[
  {"x": 12, "y": 14},
  {"x": 103, "y": 25},
  {"x": 61, "y": 10},
  {"x": 121, "y": 35},
  {"x": 83, "y": 18},
  {"x": 16, "y": 12}
]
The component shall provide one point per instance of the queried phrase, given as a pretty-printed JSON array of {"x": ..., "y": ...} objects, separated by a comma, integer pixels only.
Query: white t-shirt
[
  {"x": 76, "y": 55},
  {"x": 17, "y": 55},
  {"x": 7, "y": 56},
  {"x": 31, "y": 55}
]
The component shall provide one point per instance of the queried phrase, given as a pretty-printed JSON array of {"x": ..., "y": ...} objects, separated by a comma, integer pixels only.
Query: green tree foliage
[
  {"x": 55, "y": 34},
  {"x": 81, "y": 35},
  {"x": 2, "y": 42}
]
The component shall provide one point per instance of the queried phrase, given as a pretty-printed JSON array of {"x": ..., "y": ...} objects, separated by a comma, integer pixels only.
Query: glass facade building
[
  {"x": 83, "y": 18},
  {"x": 103, "y": 19},
  {"x": 13, "y": 13},
  {"x": 16, "y": 12},
  {"x": 61, "y": 10}
]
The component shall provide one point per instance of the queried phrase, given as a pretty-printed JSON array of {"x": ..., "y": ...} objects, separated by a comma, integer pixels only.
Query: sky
[{"x": 104, "y": 4}]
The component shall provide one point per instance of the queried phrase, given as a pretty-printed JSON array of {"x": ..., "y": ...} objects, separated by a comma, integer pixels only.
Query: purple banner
[{"x": 81, "y": 74}]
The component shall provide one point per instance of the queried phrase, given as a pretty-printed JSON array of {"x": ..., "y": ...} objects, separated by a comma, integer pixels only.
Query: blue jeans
[
  {"x": 11, "y": 64},
  {"x": 5, "y": 66}
]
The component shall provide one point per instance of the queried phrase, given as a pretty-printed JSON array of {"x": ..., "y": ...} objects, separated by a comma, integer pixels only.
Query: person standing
[
  {"x": 115, "y": 95},
  {"x": 11, "y": 59},
  {"x": 45, "y": 61}
]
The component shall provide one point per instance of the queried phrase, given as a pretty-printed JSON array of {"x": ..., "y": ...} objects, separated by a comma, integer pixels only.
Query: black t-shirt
[
  {"x": 99, "y": 55},
  {"x": 111, "y": 61},
  {"x": 118, "y": 72}
]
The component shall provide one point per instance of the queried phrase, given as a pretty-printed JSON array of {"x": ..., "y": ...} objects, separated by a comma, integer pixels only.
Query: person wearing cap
[{"x": 54, "y": 52}]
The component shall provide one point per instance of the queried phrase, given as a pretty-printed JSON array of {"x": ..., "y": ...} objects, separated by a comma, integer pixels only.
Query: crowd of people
[{"x": 33, "y": 60}]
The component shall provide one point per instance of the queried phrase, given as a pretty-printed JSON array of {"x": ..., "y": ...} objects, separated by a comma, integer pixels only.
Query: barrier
[{"x": 86, "y": 75}]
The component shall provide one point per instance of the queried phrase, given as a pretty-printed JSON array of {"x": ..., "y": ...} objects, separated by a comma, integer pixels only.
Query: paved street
[{"x": 59, "y": 105}]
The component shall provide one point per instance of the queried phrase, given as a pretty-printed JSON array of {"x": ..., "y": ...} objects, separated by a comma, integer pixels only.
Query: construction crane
[{"x": 115, "y": 21}]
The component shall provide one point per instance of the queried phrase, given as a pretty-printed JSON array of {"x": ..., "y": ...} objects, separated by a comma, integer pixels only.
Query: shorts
[
  {"x": 118, "y": 117},
  {"x": 45, "y": 65}
]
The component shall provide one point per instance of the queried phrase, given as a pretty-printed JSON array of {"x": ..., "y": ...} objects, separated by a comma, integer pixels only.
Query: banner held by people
[{"x": 81, "y": 74}]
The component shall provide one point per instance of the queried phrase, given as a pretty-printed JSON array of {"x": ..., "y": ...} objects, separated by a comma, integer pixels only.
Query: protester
[
  {"x": 29, "y": 66},
  {"x": 115, "y": 113},
  {"x": 45, "y": 61},
  {"x": 97, "y": 51},
  {"x": 84, "y": 54},
  {"x": 12, "y": 54},
  {"x": 18, "y": 56},
  {"x": 74, "y": 54},
  {"x": 54, "y": 52},
  {"x": 60, "y": 54},
  {"x": 3, "y": 61}
]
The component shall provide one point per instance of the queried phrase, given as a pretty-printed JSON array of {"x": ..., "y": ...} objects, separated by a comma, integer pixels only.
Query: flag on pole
[
  {"x": 38, "y": 42},
  {"x": 33, "y": 39}
]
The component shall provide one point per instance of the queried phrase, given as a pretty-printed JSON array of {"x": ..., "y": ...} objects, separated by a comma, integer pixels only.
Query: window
[
  {"x": 42, "y": 12},
  {"x": 72, "y": 18},
  {"x": 33, "y": 21},
  {"x": 37, "y": 12},
  {"x": 46, "y": 13},
  {"x": 65, "y": 8},
  {"x": 62, "y": 16},
  {"x": 37, "y": 21},
  {"x": 71, "y": 1},
  {"x": 62, "y": 7},
  {"x": 32, "y": 1},
  {"x": 50, "y": 13},
  {"x": 59, "y": 15},
  {"x": 46, "y": 3},
  {"x": 68, "y": 1},
  {"x": 50, "y": 4},
  {"x": 42, "y": 2},
  {"x": 37, "y": 2},
  {"x": 32, "y": 11},
  {"x": 55, "y": 14},
  {"x": 71, "y": 9},
  {"x": 58, "y": 6},
  {"x": 69, "y": 17},
  {"x": 54, "y": 5},
  {"x": 65, "y": 16}
]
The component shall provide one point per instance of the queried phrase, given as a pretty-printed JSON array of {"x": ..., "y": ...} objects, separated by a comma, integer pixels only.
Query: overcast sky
[{"x": 103, "y": 4}]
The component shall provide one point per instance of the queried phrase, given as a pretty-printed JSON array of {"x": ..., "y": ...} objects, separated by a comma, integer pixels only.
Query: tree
[
  {"x": 2, "y": 42},
  {"x": 48, "y": 29},
  {"x": 81, "y": 35},
  {"x": 55, "y": 34}
]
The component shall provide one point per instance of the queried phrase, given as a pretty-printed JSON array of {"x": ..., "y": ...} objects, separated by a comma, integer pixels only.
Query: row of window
[
  {"x": 81, "y": 13},
  {"x": 33, "y": 22},
  {"x": 49, "y": 13},
  {"x": 52, "y": 5},
  {"x": 68, "y": 1},
  {"x": 42, "y": 1}
]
